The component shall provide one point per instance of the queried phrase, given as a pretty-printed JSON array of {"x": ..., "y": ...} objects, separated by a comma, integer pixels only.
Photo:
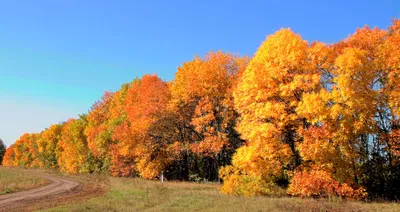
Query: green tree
[{"x": 2, "y": 150}]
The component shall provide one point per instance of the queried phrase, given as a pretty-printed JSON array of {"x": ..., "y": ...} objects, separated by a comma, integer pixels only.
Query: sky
[{"x": 58, "y": 57}]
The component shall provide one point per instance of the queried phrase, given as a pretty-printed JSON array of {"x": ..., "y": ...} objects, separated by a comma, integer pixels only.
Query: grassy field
[
  {"x": 12, "y": 180},
  {"x": 142, "y": 195}
]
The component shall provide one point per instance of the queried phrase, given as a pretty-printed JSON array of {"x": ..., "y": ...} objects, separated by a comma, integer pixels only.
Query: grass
[
  {"x": 142, "y": 195},
  {"x": 12, "y": 180}
]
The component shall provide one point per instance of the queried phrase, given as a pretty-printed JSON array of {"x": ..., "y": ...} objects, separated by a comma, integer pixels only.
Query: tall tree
[
  {"x": 266, "y": 99},
  {"x": 146, "y": 103},
  {"x": 9, "y": 157},
  {"x": 72, "y": 149},
  {"x": 25, "y": 151},
  {"x": 202, "y": 99},
  {"x": 47, "y": 144},
  {"x": 344, "y": 114},
  {"x": 99, "y": 130}
]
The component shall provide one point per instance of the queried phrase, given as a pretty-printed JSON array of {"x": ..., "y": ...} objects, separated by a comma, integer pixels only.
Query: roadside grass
[
  {"x": 128, "y": 194},
  {"x": 13, "y": 180}
]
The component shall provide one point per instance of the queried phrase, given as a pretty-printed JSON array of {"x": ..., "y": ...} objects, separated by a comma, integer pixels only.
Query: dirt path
[{"x": 24, "y": 199}]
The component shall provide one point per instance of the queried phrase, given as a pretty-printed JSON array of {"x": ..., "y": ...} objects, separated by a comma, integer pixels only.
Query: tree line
[{"x": 307, "y": 119}]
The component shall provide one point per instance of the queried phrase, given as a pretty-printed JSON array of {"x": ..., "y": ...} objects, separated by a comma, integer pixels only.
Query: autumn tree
[
  {"x": 311, "y": 120},
  {"x": 99, "y": 130},
  {"x": 72, "y": 149},
  {"x": 26, "y": 151},
  {"x": 104, "y": 119},
  {"x": 120, "y": 165},
  {"x": 146, "y": 103},
  {"x": 9, "y": 157},
  {"x": 47, "y": 143},
  {"x": 358, "y": 129},
  {"x": 202, "y": 99},
  {"x": 266, "y": 99},
  {"x": 382, "y": 170},
  {"x": 391, "y": 60}
]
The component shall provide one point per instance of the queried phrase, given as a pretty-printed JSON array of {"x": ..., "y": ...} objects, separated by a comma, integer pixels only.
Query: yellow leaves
[
  {"x": 284, "y": 49},
  {"x": 317, "y": 99},
  {"x": 202, "y": 98},
  {"x": 209, "y": 77},
  {"x": 340, "y": 114},
  {"x": 97, "y": 131},
  {"x": 266, "y": 157},
  {"x": 320, "y": 56},
  {"x": 269, "y": 109},
  {"x": 390, "y": 59},
  {"x": 266, "y": 98},
  {"x": 72, "y": 148},
  {"x": 355, "y": 76},
  {"x": 367, "y": 39},
  {"x": 238, "y": 182},
  {"x": 351, "y": 61},
  {"x": 307, "y": 114},
  {"x": 303, "y": 81},
  {"x": 273, "y": 77},
  {"x": 313, "y": 106}
]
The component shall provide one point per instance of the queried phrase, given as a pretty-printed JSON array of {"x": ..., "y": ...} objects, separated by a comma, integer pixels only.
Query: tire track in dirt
[{"x": 19, "y": 200}]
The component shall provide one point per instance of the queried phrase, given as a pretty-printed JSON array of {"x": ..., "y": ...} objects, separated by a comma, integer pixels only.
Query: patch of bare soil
[{"x": 61, "y": 190}]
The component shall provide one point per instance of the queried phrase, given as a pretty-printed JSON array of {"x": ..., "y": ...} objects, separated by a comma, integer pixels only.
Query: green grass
[
  {"x": 12, "y": 180},
  {"x": 143, "y": 195}
]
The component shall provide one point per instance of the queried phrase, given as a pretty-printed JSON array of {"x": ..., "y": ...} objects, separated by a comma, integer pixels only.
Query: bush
[{"x": 319, "y": 183}]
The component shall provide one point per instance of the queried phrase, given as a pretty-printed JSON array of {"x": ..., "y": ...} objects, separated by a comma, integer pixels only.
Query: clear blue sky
[{"x": 57, "y": 57}]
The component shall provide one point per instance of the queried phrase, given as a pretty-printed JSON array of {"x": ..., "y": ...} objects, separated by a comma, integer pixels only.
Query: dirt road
[{"x": 24, "y": 199}]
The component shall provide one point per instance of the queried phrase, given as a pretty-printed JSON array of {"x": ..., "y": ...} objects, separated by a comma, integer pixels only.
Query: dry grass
[
  {"x": 91, "y": 185},
  {"x": 142, "y": 195},
  {"x": 12, "y": 180}
]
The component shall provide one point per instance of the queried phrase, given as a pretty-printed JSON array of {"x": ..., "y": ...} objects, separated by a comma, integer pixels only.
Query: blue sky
[{"x": 58, "y": 57}]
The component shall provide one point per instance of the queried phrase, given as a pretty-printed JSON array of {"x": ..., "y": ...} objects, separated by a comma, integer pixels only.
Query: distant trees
[
  {"x": 72, "y": 149},
  {"x": 2, "y": 150},
  {"x": 305, "y": 119},
  {"x": 47, "y": 145}
]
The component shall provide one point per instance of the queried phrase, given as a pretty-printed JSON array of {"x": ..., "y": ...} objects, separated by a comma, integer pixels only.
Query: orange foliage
[
  {"x": 318, "y": 183},
  {"x": 202, "y": 96},
  {"x": 146, "y": 102},
  {"x": 47, "y": 143},
  {"x": 266, "y": 99},
  {"x": 9, "y": 157},
  {"x": 72, "y": 148},
  {"x": 24, "y": 152},
  {"x": 97, "y": 133},
  {"x": 315, "y": 118}
]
